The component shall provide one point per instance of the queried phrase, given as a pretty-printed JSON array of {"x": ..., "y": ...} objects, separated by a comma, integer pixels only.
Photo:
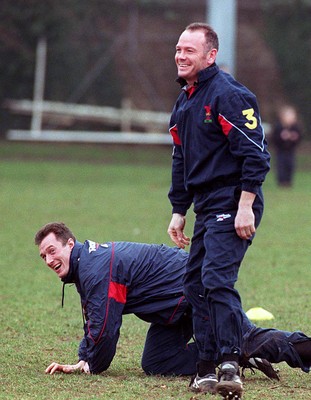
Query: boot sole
[
  {"x": 204, "y": 389},
  {"x": 229, "y": 390}
]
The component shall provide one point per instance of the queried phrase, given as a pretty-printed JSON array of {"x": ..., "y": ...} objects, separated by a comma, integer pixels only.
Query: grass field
[{"x": 107, "y": 193}]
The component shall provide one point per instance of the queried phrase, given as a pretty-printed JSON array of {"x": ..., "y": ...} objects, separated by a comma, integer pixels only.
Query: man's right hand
[
  {"x": 176, "y": 230},
  {"x": 82, "y": 366}
]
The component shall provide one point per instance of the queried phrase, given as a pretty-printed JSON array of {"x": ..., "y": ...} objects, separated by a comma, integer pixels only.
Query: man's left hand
[{"x": 245, "y": 219}]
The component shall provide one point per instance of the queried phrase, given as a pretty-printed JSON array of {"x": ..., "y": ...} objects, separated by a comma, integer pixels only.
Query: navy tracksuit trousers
[
  {"x": 215, "y": 257},
  {"x": 167, "y": 349}
]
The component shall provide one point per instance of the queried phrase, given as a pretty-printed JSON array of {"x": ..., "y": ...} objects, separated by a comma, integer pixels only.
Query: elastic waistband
[{"x": 217, "y": 184}]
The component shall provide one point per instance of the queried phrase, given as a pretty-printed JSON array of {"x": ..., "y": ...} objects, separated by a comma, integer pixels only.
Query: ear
[
  {"x": 211, "y": 56},
  {"x": 71, "y": 243}
]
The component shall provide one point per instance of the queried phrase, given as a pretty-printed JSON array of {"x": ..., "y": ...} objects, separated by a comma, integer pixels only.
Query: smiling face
[
  {"x": 55, "y": 254},
  {"x": 193, "y": 55}
]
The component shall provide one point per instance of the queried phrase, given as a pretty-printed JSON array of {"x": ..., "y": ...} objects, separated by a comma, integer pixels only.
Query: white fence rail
[
  {"x": 154, "y": 124},
  {"x": 110, "y": 115},
  {"x": 91, "y": 137}
]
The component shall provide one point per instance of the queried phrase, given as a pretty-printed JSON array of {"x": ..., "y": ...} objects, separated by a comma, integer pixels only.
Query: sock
[
  {"x": 205, "y": 367},
  {"x": 304, "y": 351},
  {"x": 231, "y": 357}
]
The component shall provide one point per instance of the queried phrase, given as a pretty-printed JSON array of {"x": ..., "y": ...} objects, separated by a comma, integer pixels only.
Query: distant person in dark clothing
[{"x": 286, "y": 135}]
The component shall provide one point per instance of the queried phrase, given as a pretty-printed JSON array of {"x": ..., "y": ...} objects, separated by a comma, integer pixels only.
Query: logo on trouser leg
[{"x": 222, "y": 217}]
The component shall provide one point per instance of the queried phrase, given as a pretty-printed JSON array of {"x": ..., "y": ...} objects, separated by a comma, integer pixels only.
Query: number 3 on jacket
[{"x": 249, "y": 114}]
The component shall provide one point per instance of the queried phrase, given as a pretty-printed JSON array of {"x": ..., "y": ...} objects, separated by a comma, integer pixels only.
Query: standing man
[{"x": 220, "y": 161}]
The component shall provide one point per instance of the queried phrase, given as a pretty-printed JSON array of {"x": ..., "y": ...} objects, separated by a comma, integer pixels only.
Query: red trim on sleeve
[
  {"x": 117, "y": 291},
  {"x": 174, "y": 133},
  {"x": 226, "y": 126}
]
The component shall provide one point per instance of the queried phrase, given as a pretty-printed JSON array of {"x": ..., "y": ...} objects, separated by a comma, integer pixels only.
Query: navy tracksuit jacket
[
  {"x": 218, "y": 139},
  {"x": 117, "y": 278}
]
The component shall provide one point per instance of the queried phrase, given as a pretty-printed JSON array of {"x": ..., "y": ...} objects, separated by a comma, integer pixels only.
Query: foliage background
[
  {"x": 126, "y": 47},
  {"x": 289, "y": 34}
]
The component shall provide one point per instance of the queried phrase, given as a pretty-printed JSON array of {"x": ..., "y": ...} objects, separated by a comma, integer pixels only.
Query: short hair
[
  {"x": 210, "y": 35},
  {"x": 61, "y": 231}
]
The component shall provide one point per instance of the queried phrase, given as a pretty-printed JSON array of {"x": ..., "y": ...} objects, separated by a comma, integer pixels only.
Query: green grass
[{"x": 112, "y": 193}]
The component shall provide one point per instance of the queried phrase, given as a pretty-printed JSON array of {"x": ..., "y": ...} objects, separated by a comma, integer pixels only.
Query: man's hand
[
  {"x": 176, "y": 230},
  {"x": 245, "y": 219},
  {"x": 82, "y": 366}
]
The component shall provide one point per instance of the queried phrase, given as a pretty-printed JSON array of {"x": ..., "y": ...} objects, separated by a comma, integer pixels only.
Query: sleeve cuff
[
  {"x": 179, "y": 210},
  {"x": 252, "y": 188}
]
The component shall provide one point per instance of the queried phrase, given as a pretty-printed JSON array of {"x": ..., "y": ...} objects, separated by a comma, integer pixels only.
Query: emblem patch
[{"x": 208, "y": 115}]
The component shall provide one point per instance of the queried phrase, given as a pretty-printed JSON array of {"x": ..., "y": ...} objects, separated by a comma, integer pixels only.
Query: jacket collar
[
  {"x": 73, "y": 263},
  {"x": 203, "y": 75}
]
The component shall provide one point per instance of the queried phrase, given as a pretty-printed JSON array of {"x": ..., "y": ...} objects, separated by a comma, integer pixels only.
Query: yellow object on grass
[{"x": 259, "y": 314}]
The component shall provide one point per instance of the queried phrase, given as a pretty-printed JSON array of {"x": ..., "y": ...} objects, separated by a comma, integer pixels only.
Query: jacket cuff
[
  {"x": 251, "y": 187},
  {"x": 179, "y": 210}
]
